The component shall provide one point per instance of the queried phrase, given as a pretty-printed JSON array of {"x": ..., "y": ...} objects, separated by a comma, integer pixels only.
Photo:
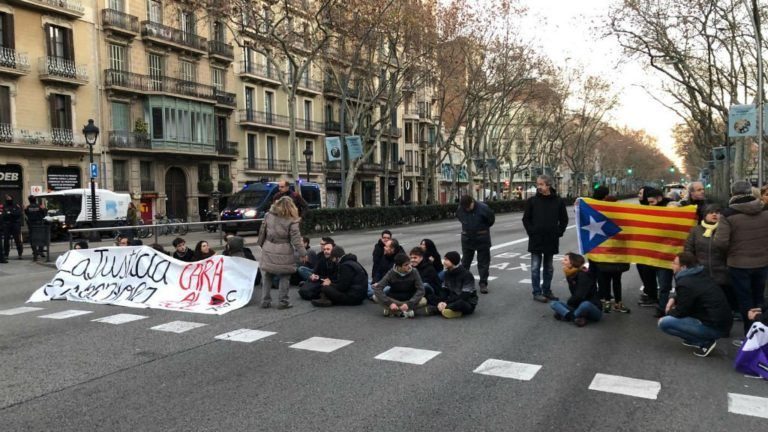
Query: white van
[{"x": 72, "y": 208}]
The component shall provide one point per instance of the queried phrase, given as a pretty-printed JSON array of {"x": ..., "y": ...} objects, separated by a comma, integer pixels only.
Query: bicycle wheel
[
  {"x": 184, "y": 228},
  {"x": 143, "y": 232}
]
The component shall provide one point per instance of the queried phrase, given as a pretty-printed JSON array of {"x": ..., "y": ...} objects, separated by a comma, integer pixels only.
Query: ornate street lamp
[
  {"x": 400, "y": 164},
  {"x": 91, "y": 132},
  {"x": 308, "y": 157}
]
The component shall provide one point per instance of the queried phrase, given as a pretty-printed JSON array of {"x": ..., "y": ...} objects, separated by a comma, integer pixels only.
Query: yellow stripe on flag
[{"x": 654, "y": 247}]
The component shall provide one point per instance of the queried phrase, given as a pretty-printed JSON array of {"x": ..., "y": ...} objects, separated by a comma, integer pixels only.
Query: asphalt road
[{"x": 75, "y": 374}]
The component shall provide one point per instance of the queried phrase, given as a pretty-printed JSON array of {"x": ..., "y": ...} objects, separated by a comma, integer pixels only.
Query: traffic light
[
  {"x": 629, "y": 171},
  {"x": 718, "y": 154},
  {"x": 672, "y": 169}
]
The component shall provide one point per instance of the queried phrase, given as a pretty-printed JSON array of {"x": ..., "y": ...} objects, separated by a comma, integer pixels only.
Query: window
[
  {"x": 117, "y": 57},
  {"x": 156, "y": 69},
  {"x": 217, "y": 78},
  {"x": 221, "y": 130},
  {"x": 249, "y": 96},
  {"x": 308, "y": 144},
  {"x": 61, "y": 111},
  {"x": 329, "y": 113},
  {"x": 155, "y": 11},
  {"x": 5, "y": 108},
  {"x": 204, "y": 171},
  {"x": 157, "y": 123},
  {"x": 121, "y": 117},
  {"x": 59, "y": 42},
  {"x": 218, "y": 32},
  {"x": 270, "y": 152},
  {"x": 409, "y": 158},
  {"x": 119, "y": 175},
  {"x": 307, "y": 115},
  {"x": 408, "y": 132},
  {"x": 251, "y": 150},
  {"x": 145, "y": 171},
  {"x": 187, "y": 24},
  {"x": 223, "y": 172},
  {"x": 117, "y": 5},
  {"x": 187, "y": 71},
  {"x": 6, "y": 34},
  {"x": 267, "y": 24},
  {"x": 269, "y": 99}
]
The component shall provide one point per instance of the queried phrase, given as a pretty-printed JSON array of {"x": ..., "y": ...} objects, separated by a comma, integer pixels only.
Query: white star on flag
[{"x": 595, "y": 228}]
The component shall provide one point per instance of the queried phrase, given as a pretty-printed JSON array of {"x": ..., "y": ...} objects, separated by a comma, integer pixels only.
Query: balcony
[
  {"x": 224, "y": 99},
  {"x": 170, "y": 37},
  {"x": 45, "y": 139},
  {"x": 334, "y": 127},
  {"x": 308, "y": 86},
  {"x": 119, "y": 23},
  {"x": 392, "y": 131},
  {"x": 221, "y": 51},
  {"x": 128, "y": 140},
  {"x": 332, "y": 90},
  {"x": 145, "y": 84},
  {"x": 227, "y": 148},
  {"x": 263, "y": 119},
  {"x": 120, "y": 185},
  {"x": 259, "y": 73},
  {"x": 259, "y": 164},
  {"x": 13, "y": 63},
  {"x": 62, "y": 71},
  {"x": 69, "y": 8},
  {"x": 148, "y": 185}
]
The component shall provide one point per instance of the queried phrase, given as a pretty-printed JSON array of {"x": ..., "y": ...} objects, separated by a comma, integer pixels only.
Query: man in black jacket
[
  {"x": 426, "y": 270},
  {"x": 457, "y": 297},
  {"x": 351, "y": 286},
  {"x": 284, "y": 189},
  {"x": 476, "y": 221},
  {"x": 391, "y": 248},
  {"x": 11, "y": 214},
  {"x": 545, "y": 220},
  {"x": 38, "y": 238},
  {"x": 699, "y": 313},
  {"x": 324, "y": 269},
  {"x": 378, "y": 251}
]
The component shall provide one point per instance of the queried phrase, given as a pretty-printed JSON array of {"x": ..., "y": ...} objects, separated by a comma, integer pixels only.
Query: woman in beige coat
[{"x": 280, "y": 240}]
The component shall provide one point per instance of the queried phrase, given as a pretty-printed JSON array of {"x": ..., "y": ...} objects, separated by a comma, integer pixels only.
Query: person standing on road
[
  {"x": 650, "y": 295},
  {"x": 696, "y": 196},
  {"x": 35, "y": 214},
  {"x": 476, "y": 221},
  {"x": 11, "y": 216},
  {"x": 545, "y": 220},
  {"x": 742, "y": 232},
  {"x": 3, "y": 223},
  {"x": 664, "y": 276},
  {"x": 132, "y": 219},
  {"x": 284, "y": 189},
  {"x": 280, "y": 239},
  {"x": 699, "y": 313}
]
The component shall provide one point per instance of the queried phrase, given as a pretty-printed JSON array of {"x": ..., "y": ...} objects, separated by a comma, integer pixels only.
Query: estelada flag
[{"x": 617, "y": 232}]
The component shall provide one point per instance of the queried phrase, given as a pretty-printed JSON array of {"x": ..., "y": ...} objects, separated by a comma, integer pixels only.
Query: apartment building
[
  {"x": 46, "y": 94},
  {"x": 169, "y": 106}
]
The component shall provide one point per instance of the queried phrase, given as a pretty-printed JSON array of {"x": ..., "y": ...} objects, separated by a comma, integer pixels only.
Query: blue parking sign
[{"x": 94, "y": 170}]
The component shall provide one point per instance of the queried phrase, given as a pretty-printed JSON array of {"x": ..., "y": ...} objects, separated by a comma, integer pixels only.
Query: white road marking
[
  {"x": 507, "y": 369},
  {"x": 120, "y": 319},
  {"x": 490, "y": 278},
  {"x": 245, "y": 335},
  {"x": 625, "y": 386},
  {"x": 321, "y": 344},
  {"x": 748, "y": 405},
  {"x": 525, "y": 281},
  {"x": 514, "y": 242},
  {"x": 19, "y": 310},
  {"x": 408, "y": 355},
  {"x": 178, "y": 326},
  {"x": 66, "y": 314}
]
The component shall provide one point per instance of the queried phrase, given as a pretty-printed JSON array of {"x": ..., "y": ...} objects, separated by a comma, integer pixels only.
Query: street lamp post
[
  {"x": 91, "y": 132},
  {"x": 400, "y": 164},
  {"x": 308, "y": 157}
]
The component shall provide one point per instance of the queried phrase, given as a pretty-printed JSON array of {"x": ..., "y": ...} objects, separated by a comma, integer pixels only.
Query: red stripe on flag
[
  {"x": 649, "y": 211},
  {"x": 653, "y": 225},
  {"x": 632, "y": 251},
  {"x": 671, "y": 241}
]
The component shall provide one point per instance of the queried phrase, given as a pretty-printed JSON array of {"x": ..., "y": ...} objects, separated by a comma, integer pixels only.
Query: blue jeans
[
  {"x": 664, "y": 279},
  {"x": 428, "y": 290},
  {"x": 541, "y": 287},
  {"x": 370, "y": 290},
  {"x": 749, "y": 287},
  {"x": 304, "y": 272},
  {"x": 690, "y": 330},
  {"x": 441, "y": 275},
  {"x": 585, "y": 310}
]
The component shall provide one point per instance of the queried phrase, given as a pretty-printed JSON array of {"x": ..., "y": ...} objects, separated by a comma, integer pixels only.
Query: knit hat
[
  {"x": 453, "y": 257},
  {"x": 741, "y": 187},
  {"x": 337, "y": 252}
]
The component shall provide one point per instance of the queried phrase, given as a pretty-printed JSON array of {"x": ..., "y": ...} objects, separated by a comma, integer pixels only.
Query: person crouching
[
  {"x": 458, "y": 296},
  {"x": 406, "y": 291},
  {"x": 584, "y": 303}
]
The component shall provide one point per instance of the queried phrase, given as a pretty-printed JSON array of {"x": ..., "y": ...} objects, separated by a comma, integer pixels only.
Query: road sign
[
  {"x": 35, "y": 190},
  {"x": 94, "y": 170}
]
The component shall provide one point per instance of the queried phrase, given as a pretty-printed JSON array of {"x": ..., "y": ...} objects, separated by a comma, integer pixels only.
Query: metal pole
[
  {"x": 760, "y": 125},
  {"x": 93, "y": 200}
]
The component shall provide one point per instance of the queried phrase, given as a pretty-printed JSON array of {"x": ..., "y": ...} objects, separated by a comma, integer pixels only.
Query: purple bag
[{"x": 752, "y": 358}]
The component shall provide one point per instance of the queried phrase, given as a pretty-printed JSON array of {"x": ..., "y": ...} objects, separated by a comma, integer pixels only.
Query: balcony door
[
  {"x": 270, "y": 153},
  {"x": 269, "y": 106},
  {"x": 249, "y": 104},
  {"x": 156, "y": 70},
  {"x": 176, "y": 191},
  {"x": 155, "y": 11},
  {"x": 121, "y": 124},
  {"x": 118, "y": 5}
]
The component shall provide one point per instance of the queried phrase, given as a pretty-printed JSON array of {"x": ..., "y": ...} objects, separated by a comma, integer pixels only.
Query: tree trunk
[{"x": 292, "y": 137}]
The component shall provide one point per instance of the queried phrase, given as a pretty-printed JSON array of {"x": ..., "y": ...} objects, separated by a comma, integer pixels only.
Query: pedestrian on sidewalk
[
  {"x": 35, "y": 214},
  {"x": 545, "y": 220},
  {"x": 11, "y": 215},
  {"x": 699, "y": 312},
  {"x": 476, "y": 221},
  {"x": 584, "y": 304}
]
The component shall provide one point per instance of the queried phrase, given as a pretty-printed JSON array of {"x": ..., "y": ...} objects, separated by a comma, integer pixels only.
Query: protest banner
[{"x": 142, "y": 277}]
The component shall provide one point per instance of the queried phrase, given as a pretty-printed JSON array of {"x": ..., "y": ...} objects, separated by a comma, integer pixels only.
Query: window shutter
[
  {"x": 5, "y": 105},
  {"x": 48, "y": 41},
  {"x": 8, "y": 39},
  {"x": 67, "y": 113},
  {"x": 70, "y": 46},
  {"x": 52, "y": 109}
]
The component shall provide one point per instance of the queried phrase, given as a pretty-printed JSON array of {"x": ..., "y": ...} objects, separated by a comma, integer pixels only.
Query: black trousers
[
  {"x": 606, "y": 281},
  {"x": 648, "y": 276},
  {"x": 310, "y": 290},
  {"x": 345, "y": 298},
  {"x": 464, "y": 307},
  {"x": 15, "y": 234},
  {"x": 482, "y": 245}
]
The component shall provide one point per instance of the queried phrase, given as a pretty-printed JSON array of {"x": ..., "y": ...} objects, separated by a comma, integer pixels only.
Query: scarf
[
  {"x": 571, "y": 272},
  {"x": 708, "y": 228}
]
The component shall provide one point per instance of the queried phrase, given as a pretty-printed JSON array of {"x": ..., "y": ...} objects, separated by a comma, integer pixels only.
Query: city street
[{"x": 510, "y": 366}]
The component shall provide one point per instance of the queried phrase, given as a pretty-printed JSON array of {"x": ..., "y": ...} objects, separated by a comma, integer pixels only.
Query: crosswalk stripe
[
  {"x": 177, "y": 326},
  {"x": 748, "y": 405},
  {"x": 625, "y": 386},
  {"x": 245, "y": 335},
  {"x": 408, "y": 355},
  {"x": 19, "y": 310},
  {"x": 119, "y": 319},
  {"x": 525, "y": 281},
  {"x": 490, "y": 278},
  {"x": 507, "y": 369},
  {"x": 66, "y": 314},
  {"x": 321, "y": 344}
]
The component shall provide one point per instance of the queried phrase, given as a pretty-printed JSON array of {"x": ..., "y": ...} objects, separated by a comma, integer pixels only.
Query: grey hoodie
[{"x": 743, "y": 233}]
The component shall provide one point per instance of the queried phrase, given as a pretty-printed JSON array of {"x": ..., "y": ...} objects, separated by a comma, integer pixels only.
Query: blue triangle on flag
[{"x": 594, "y": 227}]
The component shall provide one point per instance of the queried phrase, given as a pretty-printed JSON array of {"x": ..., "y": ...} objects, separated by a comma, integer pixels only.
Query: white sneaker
[{"x": 408, "y": 314}]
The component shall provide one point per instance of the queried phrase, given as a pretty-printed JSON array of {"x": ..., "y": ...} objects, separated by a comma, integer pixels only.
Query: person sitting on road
[
  {"x": 431, "y": 254},
  {"x": 158, "y": 247},
  {"x": 391, "y": 248},
  {"x": 699, "y": 313},
  {"x": 313, "y": 258},
  {"x": 324, "y": 269},
  {"x": 458, "y": 296},
  {"x": 426, "y": 271},
  {"x": 351, "y": 286},
  {"x": 122, "y": 241},
  {"x": 405, "y": 289},
  {"x": 82, "y": 244},
  {"x": 136, "y": 242},
  {"x": 232, "y": 247},
  {"x": 584, "y": 303},
  {"x": 378, "y": 251},
  {"x": 182, "y": 252},
  {"x": 203, "y": 251}
]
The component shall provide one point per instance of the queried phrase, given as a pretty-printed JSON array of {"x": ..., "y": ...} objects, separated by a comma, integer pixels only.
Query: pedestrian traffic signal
[
  {"x": 672, "y": 169},
  {"x": 596, "y": 185}
]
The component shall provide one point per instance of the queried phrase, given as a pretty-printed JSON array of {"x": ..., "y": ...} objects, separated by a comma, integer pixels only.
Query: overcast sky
[{"x": 566, "y": 37}]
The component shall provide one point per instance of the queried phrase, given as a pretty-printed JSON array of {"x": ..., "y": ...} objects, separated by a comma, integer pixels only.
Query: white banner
[{"x": 142, "y": 277}]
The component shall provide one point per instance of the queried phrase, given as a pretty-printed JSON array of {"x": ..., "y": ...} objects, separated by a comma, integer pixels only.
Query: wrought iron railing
[
  {"x": 62, "y": 68},
  {"x": 147, "y": 83},
  {"x": 170, "y": 34},
  {"x": 271, "y": 119},
  {"x": 224, "y": 98},
  {"x": 221, "y": 49},
  {"x": 130, "y": 140},
  {"x": 257, "y": 69},
  {"x": 37, "y": 137},
  {"x": 12, "y": 59},
  {"x": 227, "y": 148},
  {"x": 115, "y": 18}
]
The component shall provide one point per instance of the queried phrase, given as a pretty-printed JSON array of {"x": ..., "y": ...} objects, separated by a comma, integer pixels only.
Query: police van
[{"x": 252, "y": 203}]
